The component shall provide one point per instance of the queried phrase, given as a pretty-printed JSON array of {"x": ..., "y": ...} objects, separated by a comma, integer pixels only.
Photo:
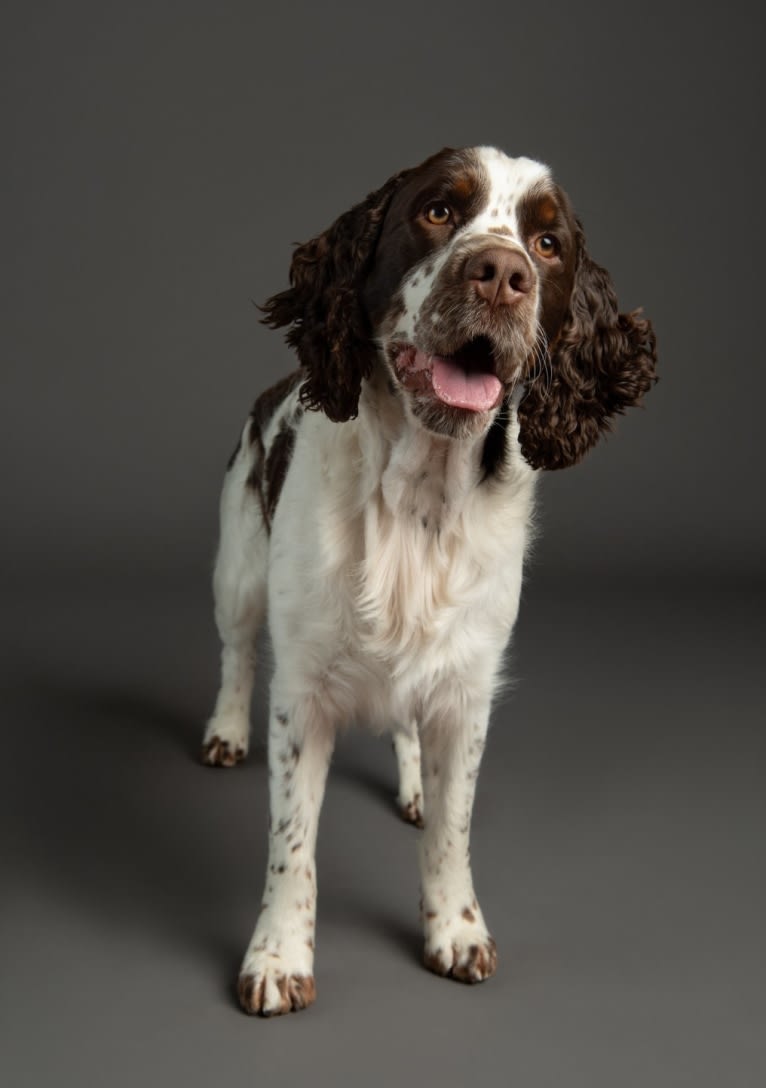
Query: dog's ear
[
  {"x": 602, "y": 362},
  {"x": 328, "y": 325}
]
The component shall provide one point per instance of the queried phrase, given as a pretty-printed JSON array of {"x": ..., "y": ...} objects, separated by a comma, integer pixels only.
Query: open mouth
[{"x": 465, "y": 379}]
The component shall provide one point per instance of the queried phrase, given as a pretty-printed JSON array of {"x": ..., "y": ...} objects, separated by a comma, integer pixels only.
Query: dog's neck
[{"x": 421, "y": 476}]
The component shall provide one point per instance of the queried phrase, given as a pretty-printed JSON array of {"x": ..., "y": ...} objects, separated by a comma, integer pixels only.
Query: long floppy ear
[
  {"x": 328, "y": 325},
  {"x": 602, "y": 362}
]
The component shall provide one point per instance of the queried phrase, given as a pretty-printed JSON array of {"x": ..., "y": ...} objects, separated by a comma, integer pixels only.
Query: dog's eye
[
  {"x": 438, "y": 213},
  {"x": 547, "y": 245}
]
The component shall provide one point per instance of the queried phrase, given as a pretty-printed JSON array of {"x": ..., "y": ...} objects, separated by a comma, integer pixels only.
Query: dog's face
[
  {"x": 471, "y": 279},
  {"x": 467, "y": 276}
]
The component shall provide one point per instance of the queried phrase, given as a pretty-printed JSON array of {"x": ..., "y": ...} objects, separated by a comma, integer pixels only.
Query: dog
[{"x": 455, "y": 339}]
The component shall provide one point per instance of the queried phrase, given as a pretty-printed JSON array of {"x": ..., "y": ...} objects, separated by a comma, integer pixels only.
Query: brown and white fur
[{"x": 455, "y": 338}]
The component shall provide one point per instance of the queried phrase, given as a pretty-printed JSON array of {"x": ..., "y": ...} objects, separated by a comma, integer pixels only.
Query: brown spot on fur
[
  {"x": 277, "y": 464},
  {"x": 262, "y": 413},
  {"x": 430, "y": 914},
  {"x": 266, "y": 405},
  {"x": 469, "y": 915},
  {"x": 506, "y": 231}
]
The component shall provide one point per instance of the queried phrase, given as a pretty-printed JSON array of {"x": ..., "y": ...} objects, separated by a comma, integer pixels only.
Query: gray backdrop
[{"x": 159, "y": 160}]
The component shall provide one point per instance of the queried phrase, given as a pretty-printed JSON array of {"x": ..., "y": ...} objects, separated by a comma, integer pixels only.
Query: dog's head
[{"x": 467, "y": 276}]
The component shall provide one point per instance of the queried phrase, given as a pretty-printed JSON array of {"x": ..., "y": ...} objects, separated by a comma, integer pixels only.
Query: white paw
[
  {"x": 271, "y": 984},
  {"x": 411, "y": 807},
  {"x": 460, "y": 947},
  {"x": 226, "y": 740}
]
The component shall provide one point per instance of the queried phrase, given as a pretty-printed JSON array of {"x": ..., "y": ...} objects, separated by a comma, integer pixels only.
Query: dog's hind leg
[
  {"x": 239, "y": 585},
  {"x": 410, "y": 798}
]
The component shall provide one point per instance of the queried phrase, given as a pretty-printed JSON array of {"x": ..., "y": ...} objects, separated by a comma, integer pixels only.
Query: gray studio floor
[{"x": 618, "y": 851}]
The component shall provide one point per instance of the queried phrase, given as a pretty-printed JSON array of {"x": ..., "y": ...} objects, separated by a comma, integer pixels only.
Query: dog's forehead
[
  {"x": 489, "y": 181},
  {"x": 508, "y": 182}
]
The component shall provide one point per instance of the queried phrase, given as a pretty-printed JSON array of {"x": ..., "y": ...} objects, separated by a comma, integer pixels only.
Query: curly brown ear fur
[
  {"x": 602, "y": 363},
  {"x": 329, "y": 328}
]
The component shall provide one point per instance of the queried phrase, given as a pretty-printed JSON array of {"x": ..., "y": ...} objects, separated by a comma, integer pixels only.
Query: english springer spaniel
[{"x": 454, "y": 339}]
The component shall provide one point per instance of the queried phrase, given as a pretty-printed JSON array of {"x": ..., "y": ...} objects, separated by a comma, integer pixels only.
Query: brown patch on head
[
  {"x": 456, "y": 178},
  {"x": 500, "y": 230},
  {"x": 463, "y": 187},
  {"x": 545, "y": 209}
]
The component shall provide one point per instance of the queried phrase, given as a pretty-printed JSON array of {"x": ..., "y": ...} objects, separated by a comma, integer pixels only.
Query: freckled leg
[
  {"x": 407, "y": 748},
  {"x": 457, "y": 942},
  {"x": 277, "y": 972}
]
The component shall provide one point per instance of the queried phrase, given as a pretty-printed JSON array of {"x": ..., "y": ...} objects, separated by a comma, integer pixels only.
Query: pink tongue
[{"x": 464, "y": 389}]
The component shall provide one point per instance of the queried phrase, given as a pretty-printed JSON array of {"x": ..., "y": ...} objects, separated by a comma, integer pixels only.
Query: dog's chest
[{"x": 433, "y": 576}]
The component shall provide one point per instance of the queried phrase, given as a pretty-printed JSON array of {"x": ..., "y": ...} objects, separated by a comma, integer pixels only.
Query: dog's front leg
[
  {"x": 457, "y": 942},
  {"x": 277, "y": 972}
]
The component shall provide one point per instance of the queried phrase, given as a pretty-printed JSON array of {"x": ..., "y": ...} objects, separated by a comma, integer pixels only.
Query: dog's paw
[
  {"x": 411, "y": 809},
  {"x": 219, "y": 753},
  {"x": 225, "y": 742},
  {"x": 462, "y": 949},
  {"x": 271, "y": 991}
]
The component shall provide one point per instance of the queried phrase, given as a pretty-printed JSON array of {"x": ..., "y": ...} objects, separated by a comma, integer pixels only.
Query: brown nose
[{"x": 500, "y": 275}]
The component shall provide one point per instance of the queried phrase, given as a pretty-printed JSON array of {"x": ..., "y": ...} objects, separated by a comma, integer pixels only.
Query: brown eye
[
  {"x": 547, "y": 245},
  {"x": 438, "y": 213}
]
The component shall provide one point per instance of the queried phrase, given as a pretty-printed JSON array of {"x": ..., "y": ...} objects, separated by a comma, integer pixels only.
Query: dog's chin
[
  {"x": 454, "y": 395},
  {"x": 447, "y": 422}
]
